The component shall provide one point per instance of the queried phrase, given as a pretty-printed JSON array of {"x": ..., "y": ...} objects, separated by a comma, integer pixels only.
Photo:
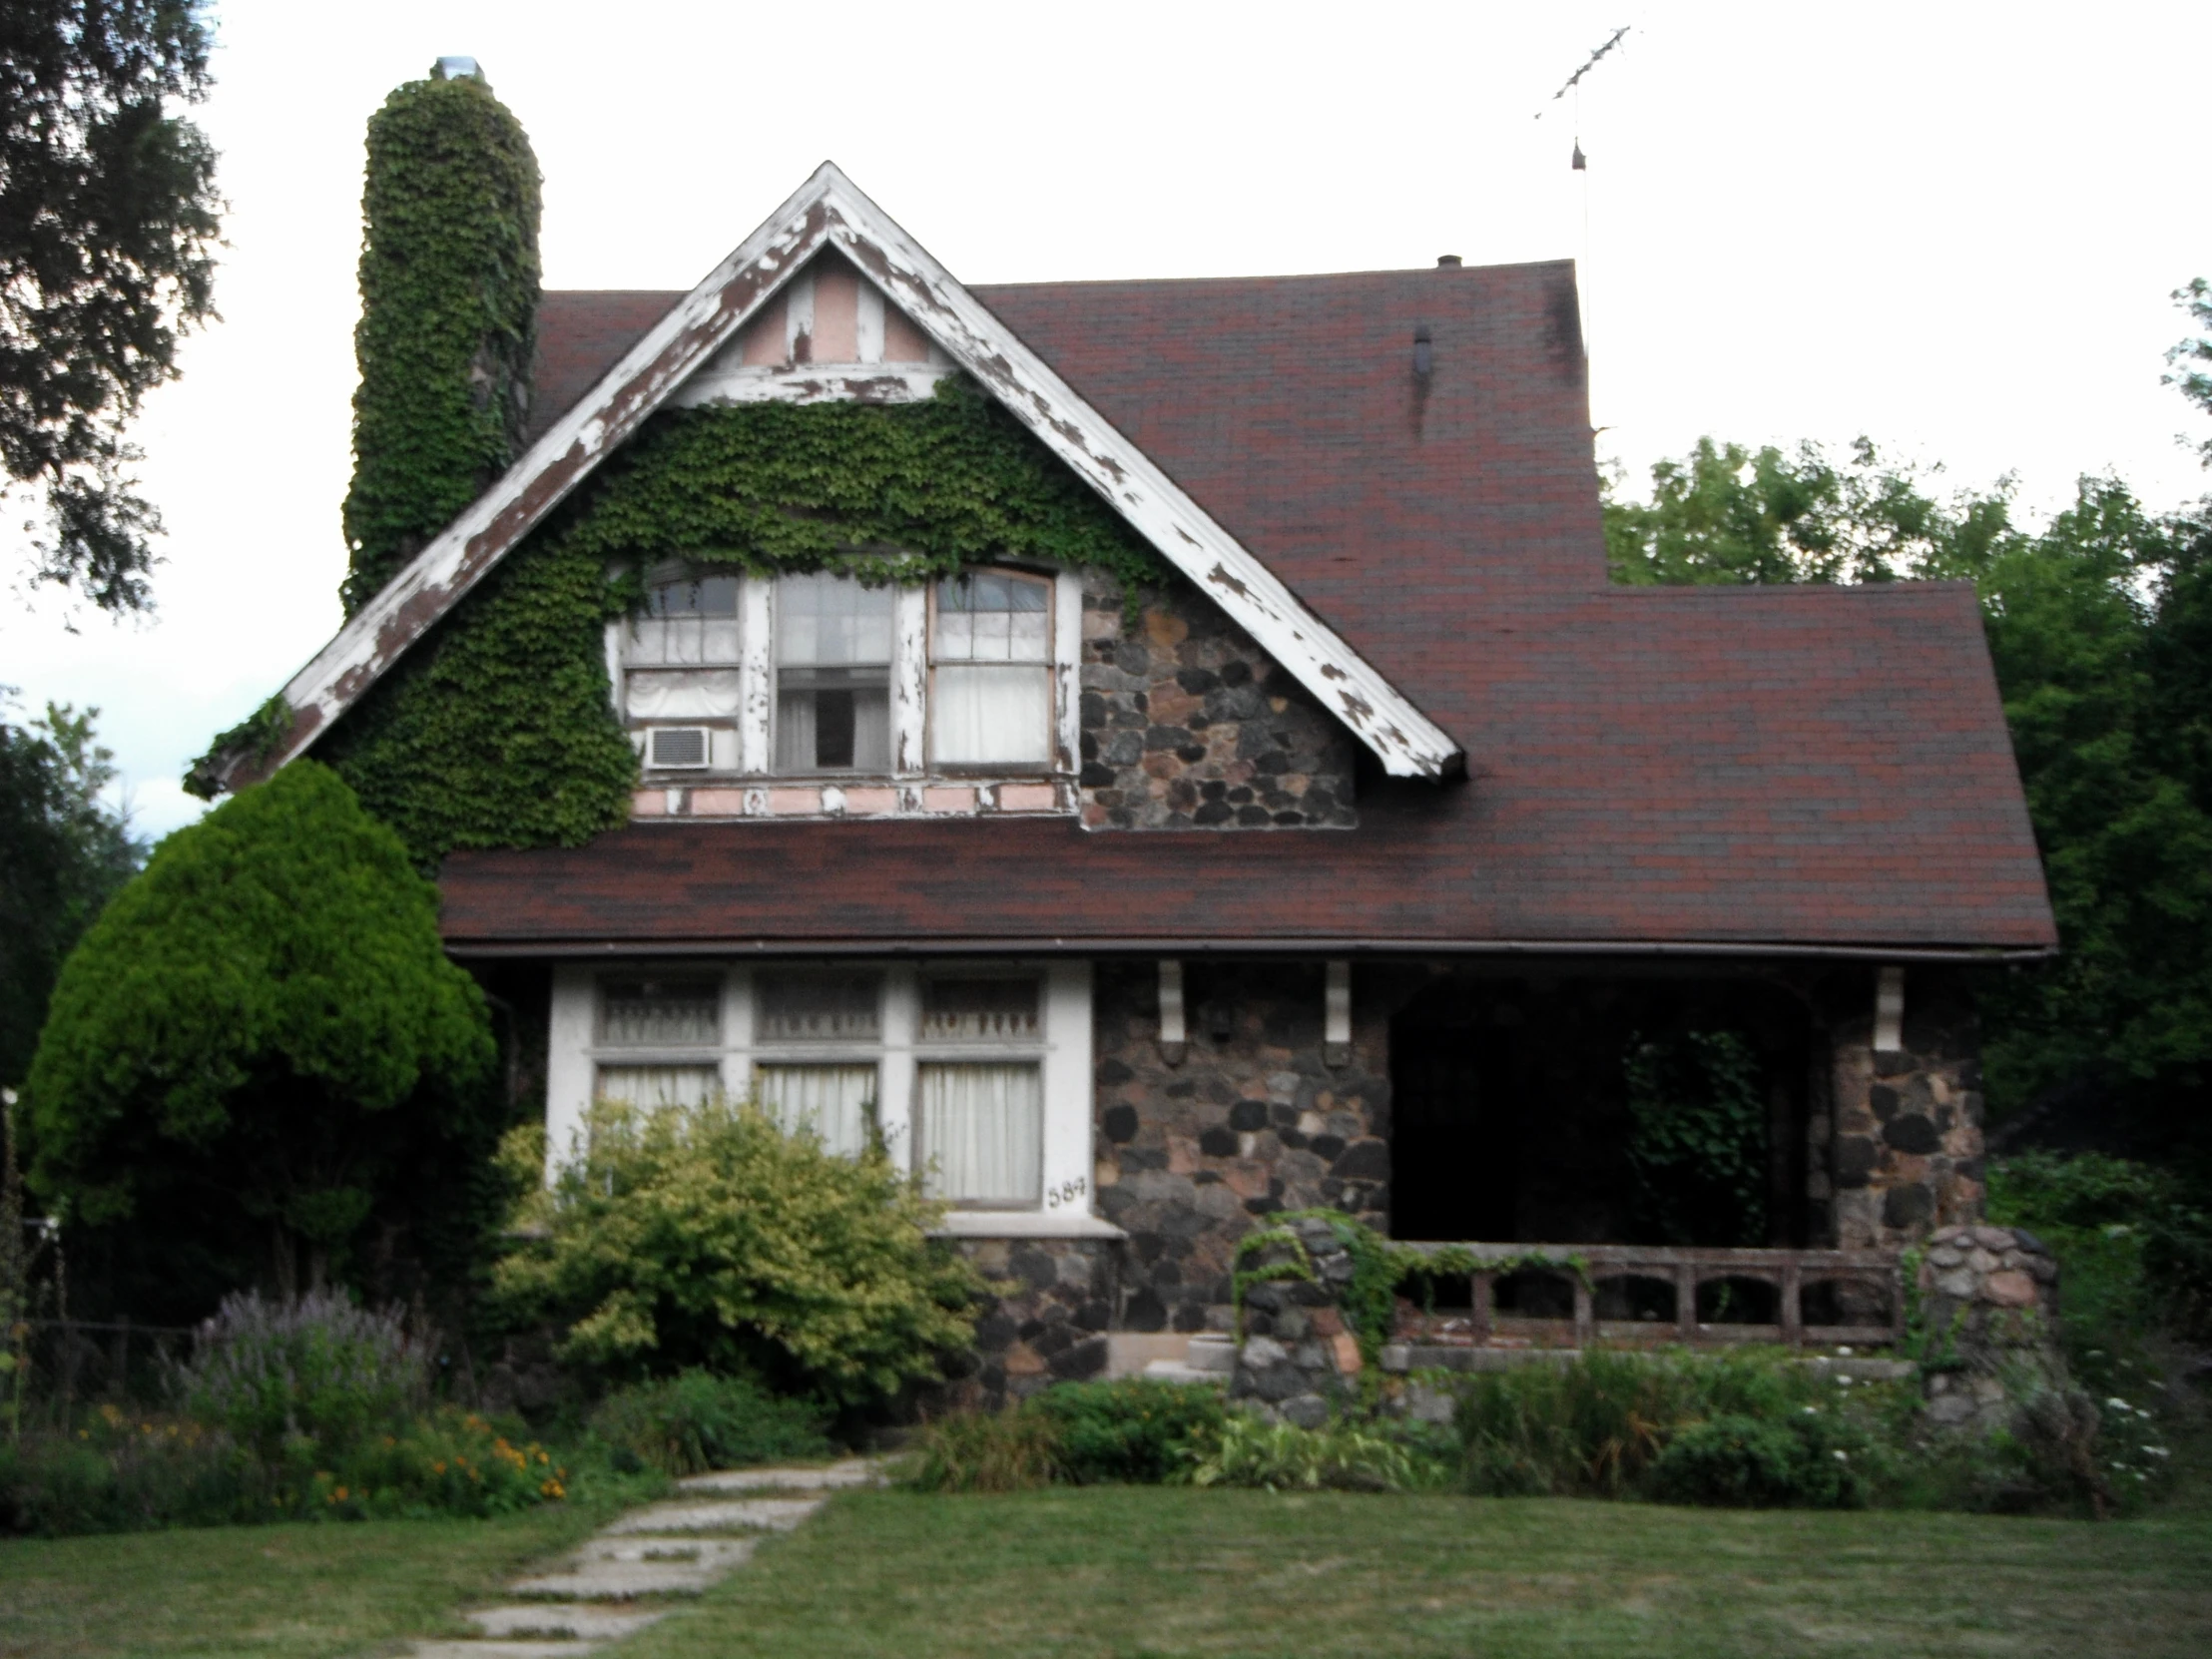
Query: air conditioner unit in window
[{"x": 676, "y": 747}]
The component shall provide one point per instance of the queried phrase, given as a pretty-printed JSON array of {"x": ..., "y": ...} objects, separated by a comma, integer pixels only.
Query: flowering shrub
[
  {"x": 450, "y": 1463},
  {"x": 319, "y": 1369},
  {"x": 706, "y": 1236}
]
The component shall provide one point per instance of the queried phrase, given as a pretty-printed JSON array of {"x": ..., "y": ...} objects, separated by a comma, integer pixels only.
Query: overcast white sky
[{"x": 1953, "y": 228}]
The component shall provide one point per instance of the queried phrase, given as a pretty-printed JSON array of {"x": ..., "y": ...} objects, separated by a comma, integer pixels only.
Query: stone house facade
[{"x": 1357, "y": 864}]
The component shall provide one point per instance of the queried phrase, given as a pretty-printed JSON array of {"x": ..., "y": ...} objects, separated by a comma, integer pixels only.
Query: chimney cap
[
  {"x": 1448, "y": 261},
  {"x": 456, "y": 69}
]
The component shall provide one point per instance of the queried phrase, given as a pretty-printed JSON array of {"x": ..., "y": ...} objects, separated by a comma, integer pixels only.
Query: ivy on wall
[
  {"x": 448, "y": 328},
  {"x": 893, "y": 493},
  {"x": 498, "y": 729}
]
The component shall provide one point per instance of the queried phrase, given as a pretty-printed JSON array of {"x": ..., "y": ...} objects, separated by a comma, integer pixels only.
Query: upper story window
[
  {"x": 991, "y": 652},
  {"x": 817, "y": 676},
  {"x": 833, "y": 674}
]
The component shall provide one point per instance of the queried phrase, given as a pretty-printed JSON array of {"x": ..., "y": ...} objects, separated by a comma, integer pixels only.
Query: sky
[{"x": 1954, "y": 228}]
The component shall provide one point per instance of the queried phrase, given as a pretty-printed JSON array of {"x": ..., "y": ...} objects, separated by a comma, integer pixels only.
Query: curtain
[
  {"x": 660, "y": 1085},
  {"x": 678, "y": 695},
  {"x": 833, "y": 1103},
  {"x": 794, "y": 731},
  {"x": 982, "y": 1133},
  {"x": 985, "y": 715}
]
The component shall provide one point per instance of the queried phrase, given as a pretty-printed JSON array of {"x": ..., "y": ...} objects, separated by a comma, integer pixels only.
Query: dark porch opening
[{"x": 1604, "y": 1109}]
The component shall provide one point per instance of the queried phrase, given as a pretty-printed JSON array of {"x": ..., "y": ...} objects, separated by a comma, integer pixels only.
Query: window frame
[{"x": 995, "y": 769}]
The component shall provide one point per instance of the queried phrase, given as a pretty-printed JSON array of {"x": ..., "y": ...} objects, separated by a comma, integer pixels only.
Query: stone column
[
  {"x": 1297, "y": 1357},
  {"x": 1907, "y": 1122}
]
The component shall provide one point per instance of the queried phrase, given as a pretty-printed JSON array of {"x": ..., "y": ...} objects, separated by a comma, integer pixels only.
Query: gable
[{"x": 694, "y": 336}]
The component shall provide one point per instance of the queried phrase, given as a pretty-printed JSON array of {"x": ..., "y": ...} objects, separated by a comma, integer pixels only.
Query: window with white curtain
[
  {"x": 981, "y": 1132},
  {"x": 680, "y": 653},
  {"x": 973, "y": 1074},
  {"x": 836, "y": 1104},
  {"x": 833, "y": 674},
  {"x": 991, "y": 684},
  {"x": 656, "y": 1086}
]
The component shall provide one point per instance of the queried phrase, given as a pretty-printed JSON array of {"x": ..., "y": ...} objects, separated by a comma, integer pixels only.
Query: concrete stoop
[{"x": 675, "y": 1548}]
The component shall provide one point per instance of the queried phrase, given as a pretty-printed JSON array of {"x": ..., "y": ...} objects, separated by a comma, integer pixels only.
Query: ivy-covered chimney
[{"x": 449, "y": 305}]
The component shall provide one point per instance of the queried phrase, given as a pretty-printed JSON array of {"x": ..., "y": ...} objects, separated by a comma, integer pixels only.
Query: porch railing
[{"x": 1561, "y": 1294}]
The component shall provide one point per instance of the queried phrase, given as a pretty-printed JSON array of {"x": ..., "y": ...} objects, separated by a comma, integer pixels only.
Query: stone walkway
[{"x": 675, "y": 1548}]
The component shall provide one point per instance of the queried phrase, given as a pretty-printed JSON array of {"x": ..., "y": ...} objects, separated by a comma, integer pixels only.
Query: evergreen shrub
[
  {"x": 696, "y": 1421},
  {"x": 1134, "y": 1430}
]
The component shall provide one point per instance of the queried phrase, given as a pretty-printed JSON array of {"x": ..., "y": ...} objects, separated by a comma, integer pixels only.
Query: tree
[
  {"x": 2192, "y": 357},
  {"x": 260, "y": 1035},
  {"x": 108, "y": 214},
  {"x": 449, "y": 308},
  {"x": 1725, "y": 513},
  {"x": 63, "y": 853}
]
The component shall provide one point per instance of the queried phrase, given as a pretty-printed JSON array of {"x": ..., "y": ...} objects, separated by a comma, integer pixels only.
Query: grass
[
  {"x": 1119, "y": 1572},
  {"x": 1116, "y": 1573},
  {"x": 295, "y": 1591}
]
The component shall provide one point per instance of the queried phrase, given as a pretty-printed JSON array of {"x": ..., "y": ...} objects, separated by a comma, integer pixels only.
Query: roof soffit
[{"x": 829, "y": 210}]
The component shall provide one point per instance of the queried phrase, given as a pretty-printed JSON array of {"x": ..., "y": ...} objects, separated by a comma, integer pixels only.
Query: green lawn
[
  {"x": 1089, "y": 1574},
  {"x": 299, "y": 1591},
  {"x": 1126, "y": 1572}
]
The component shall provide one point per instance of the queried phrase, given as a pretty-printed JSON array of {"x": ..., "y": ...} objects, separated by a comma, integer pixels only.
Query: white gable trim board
[{"x": 828, "y": 211}]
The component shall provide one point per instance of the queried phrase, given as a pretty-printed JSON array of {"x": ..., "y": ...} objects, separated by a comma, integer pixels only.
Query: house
[{"x": 1372, "y": 854}]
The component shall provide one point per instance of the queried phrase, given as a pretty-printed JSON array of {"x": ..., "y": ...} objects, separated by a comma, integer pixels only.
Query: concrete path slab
[
  {"x": 760, "y": 1514},
  {"x": 708, "y": 1554},
  {"x": 556, "y": 1620},
  {"x": 618, "y": 1581},
  {"x": 831, "y": 1477}
]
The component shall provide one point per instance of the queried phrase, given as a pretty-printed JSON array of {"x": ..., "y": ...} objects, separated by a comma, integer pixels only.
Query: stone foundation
[
  {"x": 1188, "y": 723},
  {"x": 1049, "y": 1303}
]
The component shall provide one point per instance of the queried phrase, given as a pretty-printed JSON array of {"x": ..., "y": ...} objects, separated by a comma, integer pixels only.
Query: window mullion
[
  {"x": 910, "y": 682},
  {"x": 1067, "y": 659},
  {"x": 756, "y": 677}
]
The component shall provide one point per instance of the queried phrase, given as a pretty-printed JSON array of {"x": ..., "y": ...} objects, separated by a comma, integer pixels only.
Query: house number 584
[{"x": 1067, "y": 1192}]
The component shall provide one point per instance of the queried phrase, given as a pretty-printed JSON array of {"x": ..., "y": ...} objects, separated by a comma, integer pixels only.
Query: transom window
[{"x": 990, "y": 701}]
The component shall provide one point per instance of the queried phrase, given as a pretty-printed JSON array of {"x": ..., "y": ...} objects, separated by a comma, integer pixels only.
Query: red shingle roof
[{"x": 1812, "y": 767}]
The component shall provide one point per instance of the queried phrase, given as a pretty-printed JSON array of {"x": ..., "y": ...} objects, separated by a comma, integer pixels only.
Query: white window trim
[
  {"x": 753, "y": 754},
  {"x": 1063, "y": 1053}
]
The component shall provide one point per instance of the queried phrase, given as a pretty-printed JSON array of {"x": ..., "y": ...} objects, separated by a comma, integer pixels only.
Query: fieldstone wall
[
  {"x": 1908, "y": 1151},
  {"x": 1252, "y": 1122},
  {"x": 1189, "y": 725},
  {"x": 1990, "y": 1310},
  {"x": 1050, "y": 1303}
]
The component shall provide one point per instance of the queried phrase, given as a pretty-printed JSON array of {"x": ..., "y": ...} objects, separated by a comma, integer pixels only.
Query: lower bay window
[{"x": 976, "y": 1077}]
